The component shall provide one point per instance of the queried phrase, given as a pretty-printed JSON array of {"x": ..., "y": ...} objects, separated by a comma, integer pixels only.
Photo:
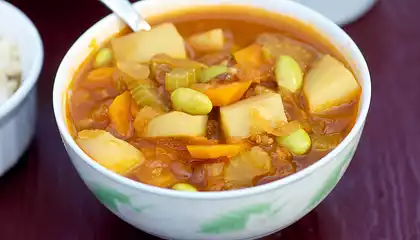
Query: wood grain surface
[{"x": 378, "y": 198}]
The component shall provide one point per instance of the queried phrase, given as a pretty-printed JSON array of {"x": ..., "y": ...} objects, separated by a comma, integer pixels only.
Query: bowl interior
[
  {"x": 23, "y": 33},
  {"x": 148, "y": 8}
]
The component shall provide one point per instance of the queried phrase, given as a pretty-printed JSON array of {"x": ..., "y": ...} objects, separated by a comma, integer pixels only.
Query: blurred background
[{"x": 43, "y": 198}]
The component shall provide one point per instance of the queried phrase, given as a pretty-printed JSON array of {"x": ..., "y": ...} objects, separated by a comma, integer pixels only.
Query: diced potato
[
  {"x": 177, "y": 124},
  {"x": 275, "y": 45},
  {"x": 214, "y": 169},
  {"x": 134, "y": 70},
  {"x": 236, "y": 119},
  {"x": 210, "y": 41},
  {"x": 328, "y": 84},
  {"x": 242, "y": 169},
  {"x": 109, "y": 151},
  {"x": 143, "y": 117},
  {"x": 142, "y": 46}
]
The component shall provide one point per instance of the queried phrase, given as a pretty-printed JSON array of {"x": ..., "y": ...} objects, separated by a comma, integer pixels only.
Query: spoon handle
[{"x": 128, "y": 14}]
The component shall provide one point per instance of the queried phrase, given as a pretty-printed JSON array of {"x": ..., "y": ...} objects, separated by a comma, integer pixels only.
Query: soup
[{"x": 212, "y": 100}]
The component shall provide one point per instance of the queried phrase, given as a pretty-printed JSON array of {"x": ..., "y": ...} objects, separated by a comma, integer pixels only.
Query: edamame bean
[
  {"x": 297, "y": 142},
  {"x": 184, "y": 187},
  {"x": 288, "y": 73},
  {"x": 103, "y": 58},
  {"x": 191, "y": 101}
]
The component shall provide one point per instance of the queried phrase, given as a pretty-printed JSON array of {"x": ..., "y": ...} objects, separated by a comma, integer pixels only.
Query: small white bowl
[
  {"x": 18, "y": 113},
  {"x": 238, "y": 214}
]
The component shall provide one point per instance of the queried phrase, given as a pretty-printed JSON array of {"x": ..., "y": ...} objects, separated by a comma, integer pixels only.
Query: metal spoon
[{"x": 128, "y": 14}]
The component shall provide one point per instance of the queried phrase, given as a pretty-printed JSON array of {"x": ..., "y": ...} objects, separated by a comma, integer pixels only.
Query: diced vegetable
[
  {"x": 215, "y": 151},
  {"x": 216, "y": 58},
  {"x": 180, "y": 77},
  {"x": 156, "y": 171},
  {"x": 109, "y": 151},
  {"x": 103, "y": 58},
  {"x": 184, "y": 187},
  {"x": 328, "y": 84},
  {"x": 134, "y": 70},
  {"x": 145, "y": 94},
  {"x": 119, "y": 113},
  {"x": 286, "y": 129},
  {"x": 143, "y": 117},
  {"x": 244, "y": 168},
  {"x": 214, "y": 169},
  {"x": 260, "y": 89},
  {"x": 99, "y": 78},
  {"x": 275, "y": 45},
  {"x": 176, "y": 62},
  {"x": 326, "y": 142},
  {"x": 288, "y": 73},
  {"x": 251, "y": 56},
  {"x": 215, "y": 178},
  {"x": 298, "y": 142},
  {"x": 191, "y": 101},
  {"x": 210, "y": 41},
  {"x": 212, "y": 72},
  {"x": 224, "y": 94},
  {"x": 177, "y": 124},
  {"x": 142, "y": 46},
  {"x": 236, "y": 119},
  {"x": 254, "y": 74}
]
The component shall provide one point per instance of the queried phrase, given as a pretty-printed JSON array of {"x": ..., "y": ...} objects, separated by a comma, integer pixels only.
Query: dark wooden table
[{"x": 378, "y": 198}]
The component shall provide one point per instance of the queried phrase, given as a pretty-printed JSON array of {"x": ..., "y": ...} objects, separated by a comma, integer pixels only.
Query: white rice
[{"x": 10, "y": 69}]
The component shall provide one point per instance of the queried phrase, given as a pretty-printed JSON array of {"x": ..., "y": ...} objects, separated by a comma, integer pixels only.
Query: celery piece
[{"x": 212, "y": 72}]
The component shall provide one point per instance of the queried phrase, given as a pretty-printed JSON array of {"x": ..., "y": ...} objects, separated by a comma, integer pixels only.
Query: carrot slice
[
  {"x": 120, "y": 113},
  {"x": 97, "y": 78},
  {"x": 250, "y": 56},
  {"x": 224, "y": 94},
  {"x": 215, "y": 151}
]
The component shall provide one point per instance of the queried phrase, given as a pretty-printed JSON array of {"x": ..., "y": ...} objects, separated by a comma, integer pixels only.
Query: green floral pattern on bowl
[
  {"x": 112, "y": 198},
  {"x": 233, "y": 221},
  {"x": 332, "y": 180},
  {"x": 230, "y": 222},
  {"x": 237, "y": 220}
]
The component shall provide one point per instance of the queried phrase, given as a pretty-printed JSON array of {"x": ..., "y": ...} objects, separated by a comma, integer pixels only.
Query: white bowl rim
[
  {"x": 32, "y": 76},
  {"x": 364, "y": 99}
]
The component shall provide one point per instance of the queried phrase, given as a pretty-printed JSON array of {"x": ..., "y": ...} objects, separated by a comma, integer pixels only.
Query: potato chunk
[
  {"x": 177, "y": 124},
  {"x": 210, "y": 41},
  {"x": 242, "y": 169},
  {"x": 109, "y": 151},
  {"x": 236, "y": 119},
  {"x": 328, "y": 84},
  {"x": 142, "y": 46}
]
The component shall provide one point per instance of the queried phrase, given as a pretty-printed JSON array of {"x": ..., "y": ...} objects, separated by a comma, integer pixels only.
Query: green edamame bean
[
  {"x": 103, "y": 58},
  {"x": 288, "y": 73},
  {"x": 184, "y": 187},
  {"x": 191, "y": 101},
  {"x": 297, "y": 142}
]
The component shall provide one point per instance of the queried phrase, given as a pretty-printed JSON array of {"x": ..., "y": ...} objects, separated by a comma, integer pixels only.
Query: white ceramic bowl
[
  {"x": 340, "y": 11},
  {"x": 239, "y": 214},
  {"x": 18, "y": 113}
]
